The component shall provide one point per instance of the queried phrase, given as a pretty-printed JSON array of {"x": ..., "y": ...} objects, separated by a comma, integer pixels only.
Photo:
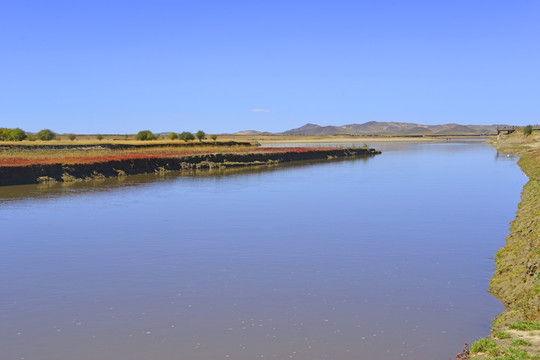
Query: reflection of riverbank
[
  {"x": 517, "y": 278},
  {"x": 101, "y": 185}
]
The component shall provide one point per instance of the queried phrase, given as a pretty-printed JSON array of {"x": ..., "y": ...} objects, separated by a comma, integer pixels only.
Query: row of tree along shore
[{"x": 18, "y": 134}]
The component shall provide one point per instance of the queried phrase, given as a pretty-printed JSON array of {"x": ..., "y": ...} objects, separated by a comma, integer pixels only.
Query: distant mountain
[
  {"x": 393, "y": 128},
  {"x": 313, "y": 129},
  {"x": 248, "y": 132}
]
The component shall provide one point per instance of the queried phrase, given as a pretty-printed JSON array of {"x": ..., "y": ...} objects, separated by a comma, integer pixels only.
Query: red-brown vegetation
[{"x": 71, "y": 156}]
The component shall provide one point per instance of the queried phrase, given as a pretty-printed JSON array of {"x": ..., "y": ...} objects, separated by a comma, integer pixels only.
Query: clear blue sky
[{"x": 224, "y": 66}]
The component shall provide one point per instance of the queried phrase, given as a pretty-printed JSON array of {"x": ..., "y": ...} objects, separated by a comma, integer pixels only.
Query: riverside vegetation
[
  {"x": 516, "y": 331},
  {"x": 31, "y": 161}
]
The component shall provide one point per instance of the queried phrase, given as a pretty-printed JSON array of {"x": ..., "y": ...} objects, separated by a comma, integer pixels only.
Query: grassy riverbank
[{"x": 516, "y": 331}]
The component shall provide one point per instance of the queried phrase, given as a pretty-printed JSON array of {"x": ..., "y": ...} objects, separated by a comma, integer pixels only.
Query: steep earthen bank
[
  {"x": 517, "y": 278},
  {"x": 32, "y": 174}
]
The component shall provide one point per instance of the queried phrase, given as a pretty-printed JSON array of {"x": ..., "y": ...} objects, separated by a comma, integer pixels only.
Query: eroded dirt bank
[{"x": 32, "y": 174}]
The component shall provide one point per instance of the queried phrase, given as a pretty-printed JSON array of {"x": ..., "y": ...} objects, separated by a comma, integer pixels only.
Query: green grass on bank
[{"x": 516, "y": 332}]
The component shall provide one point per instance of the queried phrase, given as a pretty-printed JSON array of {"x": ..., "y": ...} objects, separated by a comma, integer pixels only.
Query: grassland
[{"x": 516, "y": 331}]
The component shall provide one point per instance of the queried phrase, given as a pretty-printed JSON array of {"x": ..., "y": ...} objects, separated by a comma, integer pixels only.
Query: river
[{"x": 386, "y": 258}]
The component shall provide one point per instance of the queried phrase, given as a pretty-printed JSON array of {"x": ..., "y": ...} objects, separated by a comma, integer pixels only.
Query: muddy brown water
[{"x": 382, "y": 258}]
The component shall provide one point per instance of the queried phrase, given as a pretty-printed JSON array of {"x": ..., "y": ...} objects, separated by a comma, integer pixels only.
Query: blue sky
[{"x": 224, "y": 66}]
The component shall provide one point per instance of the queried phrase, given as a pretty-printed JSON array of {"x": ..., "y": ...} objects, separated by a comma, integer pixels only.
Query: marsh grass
[
  {"x": 525, "y": 325},
  {"x": 520, "y": 342},
  {"x": 516, "y": 354},
  {"x": 488, "y": 346},
  {"x": 42, "y": 156}
]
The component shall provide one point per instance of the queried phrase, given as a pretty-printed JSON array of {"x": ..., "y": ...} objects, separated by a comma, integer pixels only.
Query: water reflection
[{"x": 56, "y": 189}]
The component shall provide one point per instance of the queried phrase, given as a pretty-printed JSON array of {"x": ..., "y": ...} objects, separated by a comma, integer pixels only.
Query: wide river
[{"x": 382, "y": 258}]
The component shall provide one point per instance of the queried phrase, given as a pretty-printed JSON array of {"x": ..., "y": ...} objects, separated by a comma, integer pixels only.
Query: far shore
[
  {"x": 301, "y": 139},
  {"x": 129, "y": 140}
]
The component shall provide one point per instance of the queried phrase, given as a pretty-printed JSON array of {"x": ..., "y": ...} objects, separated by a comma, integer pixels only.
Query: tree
[
  {"x": 4, "y": 134},
  {"x": 17, "y": 135},
  {"x": 200, "y": 135},
  {"x": 173, "y": 136},
  {"x": 527, "y": 130},
  {"x": 72, "y": 137},
  {"x": 99, "y": 137},
  {"x": 186, "y": 135},
  {"x": 146, "y": 135},
  {"x": 45, "y": 135},
  {"x": 213, "y": 137}
]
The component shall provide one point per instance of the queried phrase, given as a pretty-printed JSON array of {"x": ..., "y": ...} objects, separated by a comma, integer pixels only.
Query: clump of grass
[
  {"x": 488, "y": 346},
  {"x": 515, "y": 354},
  {"x": 520, "y": 342},
  {"x": 526, "y": 325},
  {"x": 501, "y": 335}
]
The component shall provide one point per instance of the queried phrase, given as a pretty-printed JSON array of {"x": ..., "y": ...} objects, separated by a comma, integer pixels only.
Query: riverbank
[
  {"x": 516, "y": 331},
  {"x": 51, "y": 167}
]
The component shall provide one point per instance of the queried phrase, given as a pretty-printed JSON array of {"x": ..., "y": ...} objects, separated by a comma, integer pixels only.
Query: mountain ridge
[{"x": 393, "y": 128}]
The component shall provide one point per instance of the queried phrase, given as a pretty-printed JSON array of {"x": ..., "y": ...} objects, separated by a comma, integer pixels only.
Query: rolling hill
[{"x": 394, "y": 128}]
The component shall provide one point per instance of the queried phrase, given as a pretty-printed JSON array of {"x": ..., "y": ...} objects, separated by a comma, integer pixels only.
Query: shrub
[
  {"x": 17, "y": 135},
  {"x": 173, "y": 136},
  {"x": 45, "y": 135},
  {"x": 527, "y": 130},
  {"x": 200, "y": 135},
  {"x": 12, "y": 134},
  {"x": 99, "y": 137},
  {"x": 4, "y": 134},
  {"x": 146, "y": 135},
  {"x": 186, "y": 135},
  {"x": 72, "y": 137},
  {"x": 213, "y": 137}
]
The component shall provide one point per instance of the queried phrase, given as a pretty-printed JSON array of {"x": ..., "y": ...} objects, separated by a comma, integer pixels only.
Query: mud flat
[
  {"x": 59, "y": 172},
  {"x": 516, "y": 331}
]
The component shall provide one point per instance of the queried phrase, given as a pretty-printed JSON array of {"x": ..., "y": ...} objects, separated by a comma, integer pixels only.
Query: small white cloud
[{"x": 260, "y": 110}]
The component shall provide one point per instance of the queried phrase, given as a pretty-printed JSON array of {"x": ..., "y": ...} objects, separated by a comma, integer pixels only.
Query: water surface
[{"x": 382, "y": 258}]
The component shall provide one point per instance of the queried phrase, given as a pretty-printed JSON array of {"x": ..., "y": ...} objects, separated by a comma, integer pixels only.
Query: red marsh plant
[{"x": 79, "y": 156}]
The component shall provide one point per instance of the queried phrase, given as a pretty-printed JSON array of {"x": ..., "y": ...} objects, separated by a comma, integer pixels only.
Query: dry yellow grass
[{"x": 91, "y": 140}]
